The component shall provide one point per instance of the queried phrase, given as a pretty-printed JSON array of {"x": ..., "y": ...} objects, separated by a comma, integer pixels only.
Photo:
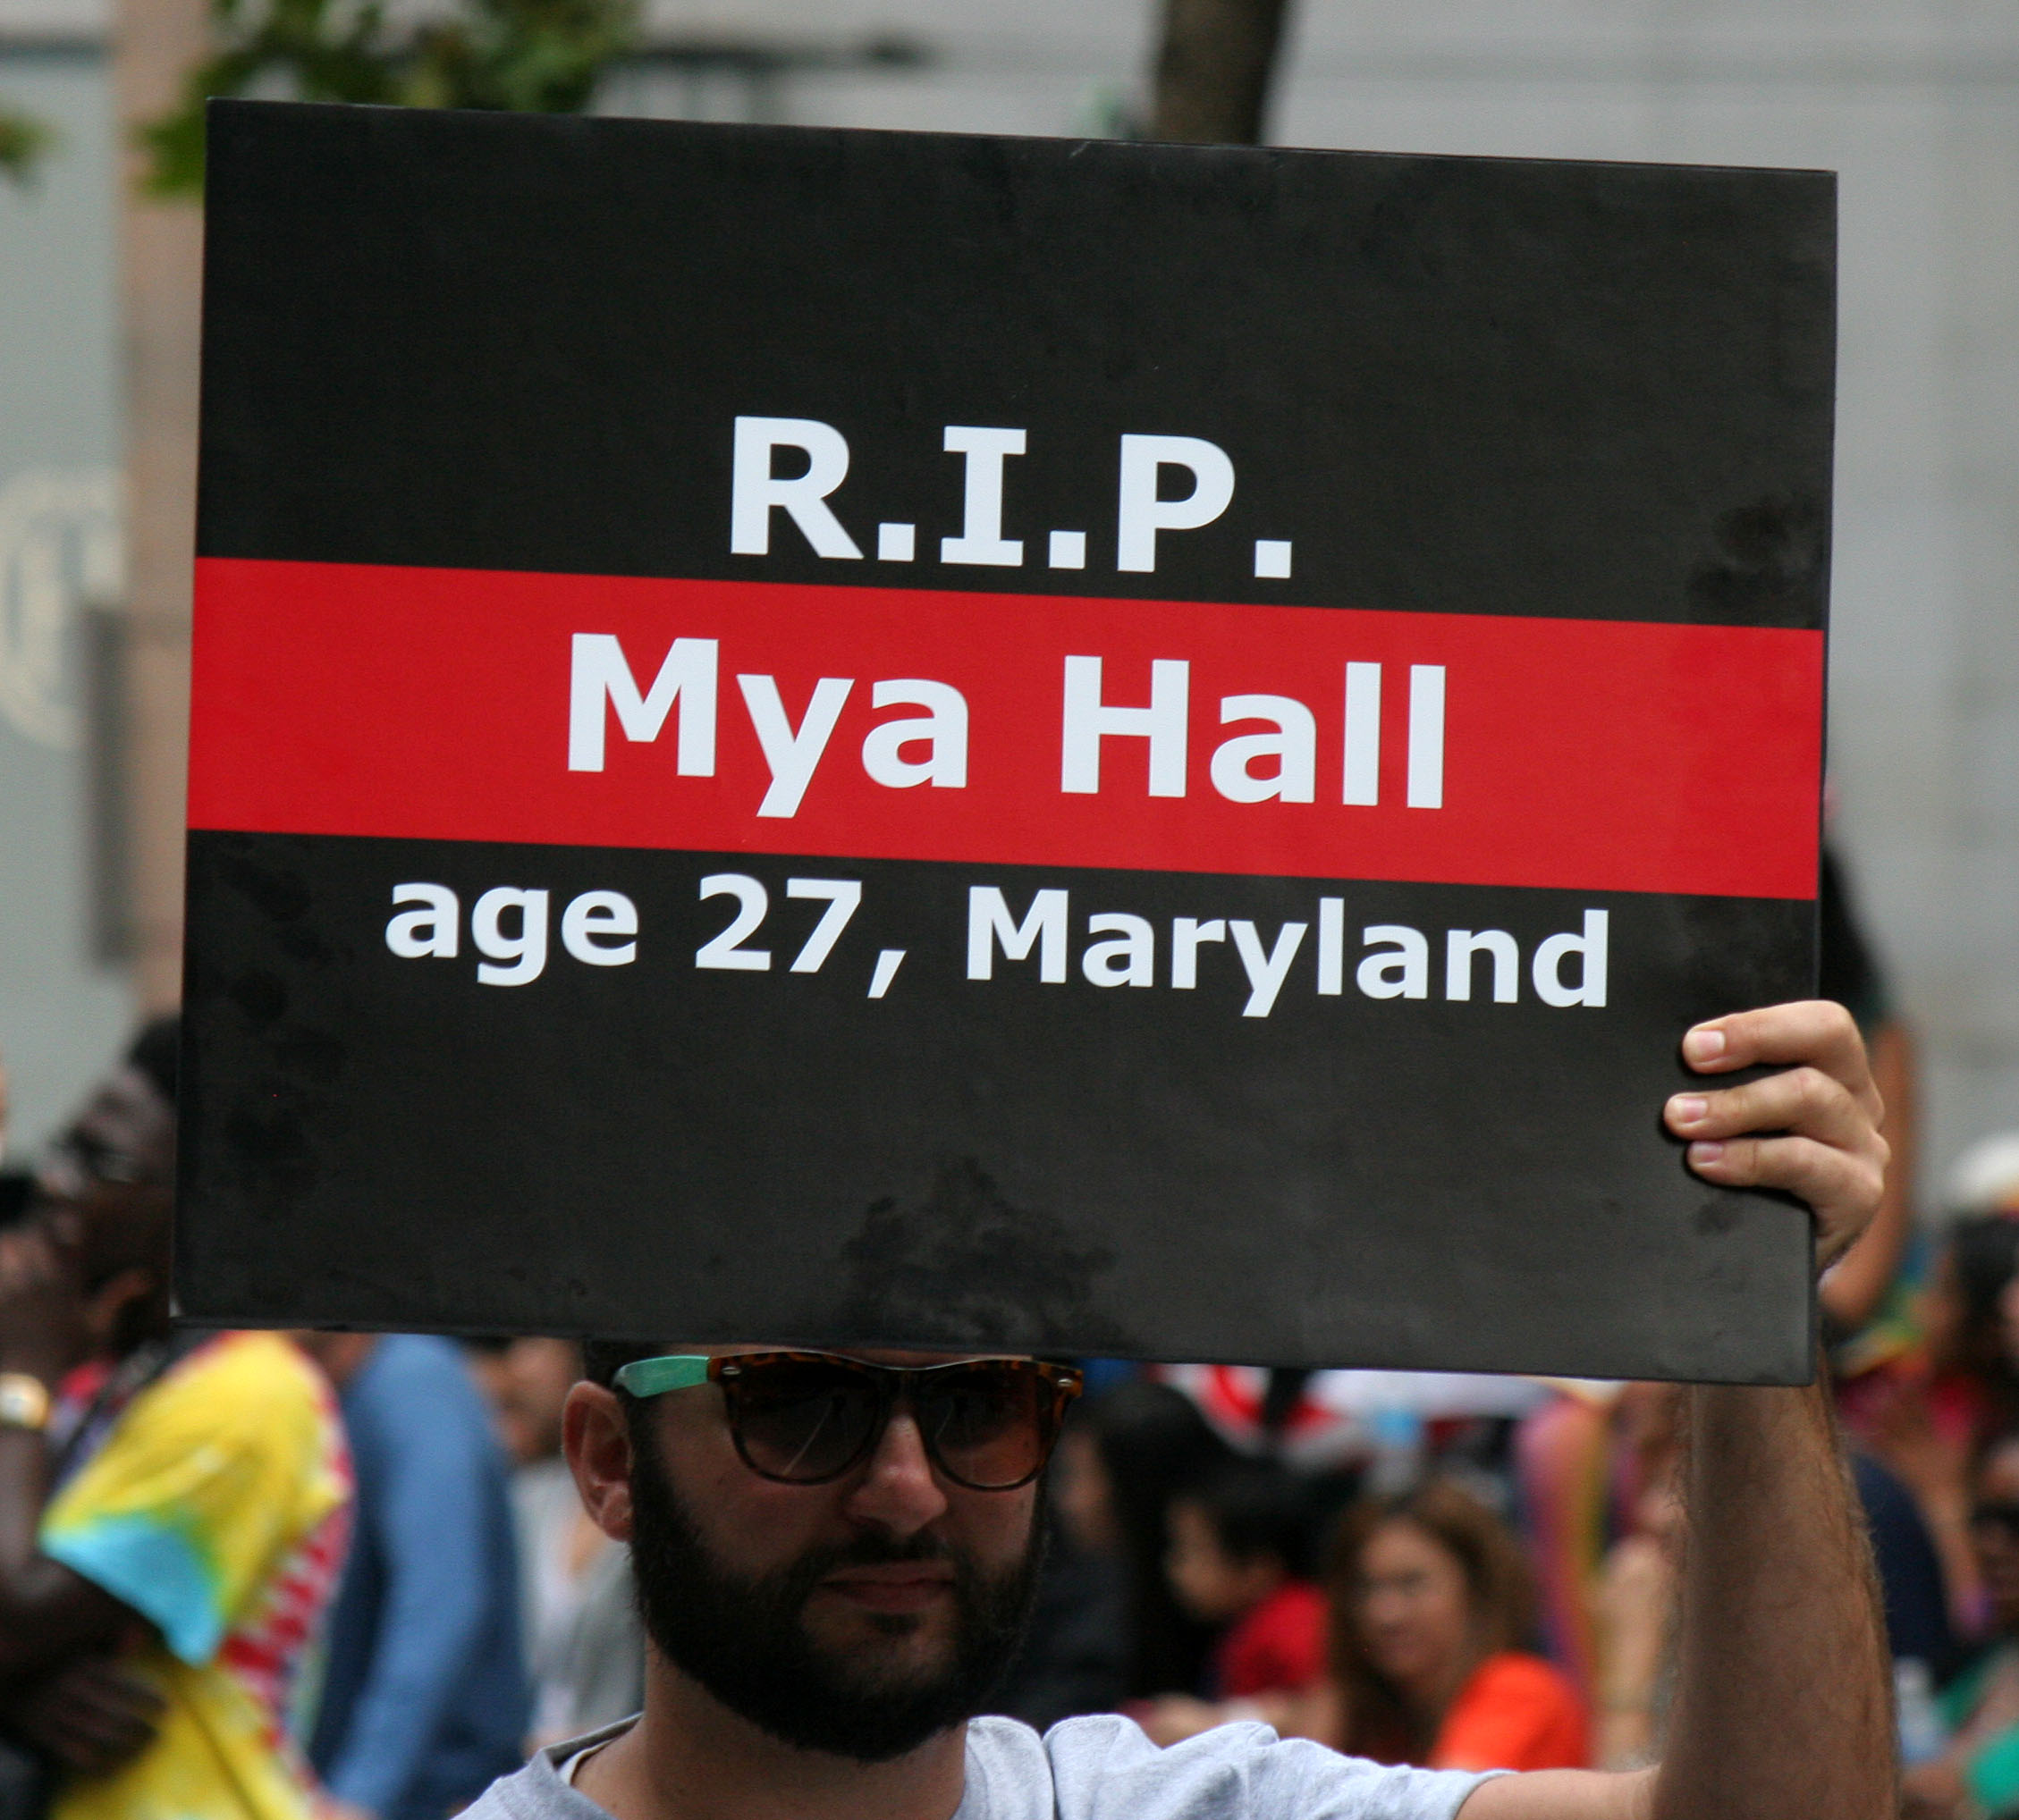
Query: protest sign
[{"x": 829, "y": 737}]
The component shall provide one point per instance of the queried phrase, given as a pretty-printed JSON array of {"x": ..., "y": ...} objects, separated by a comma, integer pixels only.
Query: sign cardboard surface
[{"x": 833, "y": 737}]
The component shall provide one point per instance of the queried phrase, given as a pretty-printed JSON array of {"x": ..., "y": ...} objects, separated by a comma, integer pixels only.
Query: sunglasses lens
[
  {"x": 802, "y": 1420},
  {"x": 988, "y": 1425}
]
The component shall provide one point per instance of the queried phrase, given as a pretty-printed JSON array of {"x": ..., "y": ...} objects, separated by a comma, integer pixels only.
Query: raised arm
[
  {"x": 47, "y": 1610},
  {"x": 1783, "y": 1709}
]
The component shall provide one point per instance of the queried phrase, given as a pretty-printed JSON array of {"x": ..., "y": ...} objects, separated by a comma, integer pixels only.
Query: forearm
[
  {"x": 24, "y": 1489},
  {"x": 1783, "y": 1707},
  {"x": 45, "y": 1610}
]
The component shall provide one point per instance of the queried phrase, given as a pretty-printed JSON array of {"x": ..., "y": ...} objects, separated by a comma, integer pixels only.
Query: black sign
[{"x": 824, "y": 738}]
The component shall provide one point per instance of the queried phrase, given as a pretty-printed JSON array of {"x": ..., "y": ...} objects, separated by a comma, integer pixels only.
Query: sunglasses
[{"x": 808, "y": 1418}]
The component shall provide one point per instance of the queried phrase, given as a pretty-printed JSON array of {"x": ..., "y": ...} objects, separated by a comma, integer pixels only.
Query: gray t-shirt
[{"x": 1103, "y": 1768}]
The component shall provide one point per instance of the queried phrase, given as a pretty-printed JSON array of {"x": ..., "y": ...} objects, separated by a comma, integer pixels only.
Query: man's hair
[
  {"x": 156, "y": 1052},
  {"x": 1258, "y": 1511},
  {"x": 604, "y": 1359}
]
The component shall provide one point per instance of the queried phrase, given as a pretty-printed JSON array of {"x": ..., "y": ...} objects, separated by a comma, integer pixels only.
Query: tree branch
[{"x": 1213, "y": 74}]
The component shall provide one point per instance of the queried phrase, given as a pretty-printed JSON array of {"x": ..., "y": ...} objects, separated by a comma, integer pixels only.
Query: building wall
[{"x": 62, "y": 1012}]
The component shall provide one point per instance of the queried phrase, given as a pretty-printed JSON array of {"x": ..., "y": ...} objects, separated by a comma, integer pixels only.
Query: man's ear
[{"x": 597, "y": 1443}]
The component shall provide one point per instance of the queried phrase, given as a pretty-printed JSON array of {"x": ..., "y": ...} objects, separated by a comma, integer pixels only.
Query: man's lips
[{"x": 907, "y": 1586}]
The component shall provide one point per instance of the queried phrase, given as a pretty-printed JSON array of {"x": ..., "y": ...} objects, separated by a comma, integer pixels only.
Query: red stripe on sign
[{"x": 435, "y": 705}]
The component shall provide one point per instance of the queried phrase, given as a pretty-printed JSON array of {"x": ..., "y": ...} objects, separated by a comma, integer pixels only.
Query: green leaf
[
  {"x": 23, "y": 140},
  {"x": 542, "y": 56}
]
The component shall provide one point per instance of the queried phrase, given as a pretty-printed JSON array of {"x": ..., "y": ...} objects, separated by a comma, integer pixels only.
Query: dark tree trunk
[{"x": 1213, "y": 74}]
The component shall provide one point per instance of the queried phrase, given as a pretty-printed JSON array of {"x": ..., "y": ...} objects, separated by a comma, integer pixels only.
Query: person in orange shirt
[
  {"x": 1430, "y": 1602},
  {"x": 1429, "y": 1599}
]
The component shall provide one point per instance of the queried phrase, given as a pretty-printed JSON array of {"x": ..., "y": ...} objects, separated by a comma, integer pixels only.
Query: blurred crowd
[{"x": 348, "y": 1574}]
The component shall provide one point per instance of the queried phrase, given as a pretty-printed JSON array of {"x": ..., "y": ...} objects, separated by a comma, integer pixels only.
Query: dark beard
[{"x": 745, "y": 1641}]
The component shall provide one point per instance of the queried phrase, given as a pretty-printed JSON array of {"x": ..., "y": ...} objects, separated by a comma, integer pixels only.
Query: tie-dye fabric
[{"x": 217, "y": 1509}]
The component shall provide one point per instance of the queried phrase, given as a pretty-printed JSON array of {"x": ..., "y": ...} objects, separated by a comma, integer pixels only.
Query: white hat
[{"x": 1985, "y": 1178}]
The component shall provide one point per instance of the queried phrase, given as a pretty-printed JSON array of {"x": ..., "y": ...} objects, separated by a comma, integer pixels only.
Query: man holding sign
[
  {"x": 834, "y": 1552},
  {"x": 905, "y": 757}
]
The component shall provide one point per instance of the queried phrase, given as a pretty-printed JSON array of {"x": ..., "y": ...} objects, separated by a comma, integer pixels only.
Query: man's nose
[{"x": 898, "y": 1491}]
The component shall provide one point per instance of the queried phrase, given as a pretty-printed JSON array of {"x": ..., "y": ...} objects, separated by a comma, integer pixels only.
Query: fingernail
[
  {"x": 1705, "y": 1151},
  {"x": 1687, "y": 1108},
  {"x": 1703, "y": 1044}
]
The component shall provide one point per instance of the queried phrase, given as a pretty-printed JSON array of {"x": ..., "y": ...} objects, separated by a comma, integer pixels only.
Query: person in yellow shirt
[{"x": 172, "y": 1530}]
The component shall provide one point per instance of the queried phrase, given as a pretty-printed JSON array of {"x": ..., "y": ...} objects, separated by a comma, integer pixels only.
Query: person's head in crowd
[
  {"x": 1124, "y": 1456},
  {"x": 1648, "y": 1436},
  {"x": 1982, "y": 1188},
  {"x": 106, "y": 1193},
  {"x": 847, "y": 1572},
  {"x": 1968, "y": 1323},
  {"x": 1084, "y": 1505},
  {"x": 1994, "y": 1530},
  {"x": 1970, "y": 1776},
  {"x": 1425, "y": 1585},
  {"x": 535, "y": 1376},
  {"x": 1962, "y": 1307},
  {"x": 526, "y": 1381},
  {"x": 1237, "y": 1537},
  {"x": 485, "y": 1354}
]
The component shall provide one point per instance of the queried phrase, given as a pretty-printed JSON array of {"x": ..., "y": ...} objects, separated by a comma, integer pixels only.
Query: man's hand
[
  {"x": 1782, "y": 1706},
  {"x": 90, "y": 1715},
  {"x": 1811, "y": 1129}
]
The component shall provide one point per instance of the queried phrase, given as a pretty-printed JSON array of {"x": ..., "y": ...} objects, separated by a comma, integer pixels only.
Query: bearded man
[{"x": 834, "y": 1552}]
